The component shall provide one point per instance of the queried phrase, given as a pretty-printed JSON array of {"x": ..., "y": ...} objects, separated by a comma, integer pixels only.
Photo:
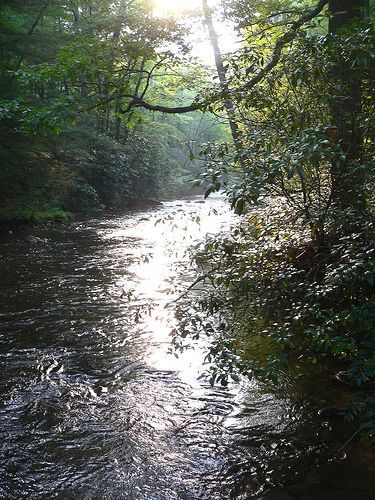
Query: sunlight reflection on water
[{"x": 167, "y": 237}]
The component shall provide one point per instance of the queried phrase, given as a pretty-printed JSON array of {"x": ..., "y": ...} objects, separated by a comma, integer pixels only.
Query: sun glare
[
  {"x": 168, "y": 7},
  {"x": 200, "y": 44}
]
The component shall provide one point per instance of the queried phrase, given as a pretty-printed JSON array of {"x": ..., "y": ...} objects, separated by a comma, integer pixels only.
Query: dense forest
[
  {"x": 71, "y": 141},
  {"x": 104, "y": 107}
]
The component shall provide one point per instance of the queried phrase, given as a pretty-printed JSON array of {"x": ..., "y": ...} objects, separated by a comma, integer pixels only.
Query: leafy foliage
[
  {"x": 68, "y": 71},
  {"x": 277, "y": 299},
  {"x": 290, "y": 145},
  {"x": 295, "y": 283}
]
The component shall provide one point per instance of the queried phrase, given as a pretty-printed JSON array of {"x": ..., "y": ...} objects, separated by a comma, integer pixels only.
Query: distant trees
[{"x": 73, "y": 76}]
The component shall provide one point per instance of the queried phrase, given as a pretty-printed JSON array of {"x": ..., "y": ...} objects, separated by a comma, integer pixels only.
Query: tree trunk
[
  {"x": 229, "y": 105},
  {"x": 117, "y": 122},
  {"x": 38, "y": 18},
  {"x": 347, "y": 180},
  {"x": 77, "y": 30}
]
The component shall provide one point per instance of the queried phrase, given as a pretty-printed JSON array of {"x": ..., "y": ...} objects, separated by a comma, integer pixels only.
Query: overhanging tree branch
[
  {"x": 136, "y": 102},
  {"x": 139, "y": 103},
  {"x": 283, "y": 40},
  {"x": 276, "y": 55}
]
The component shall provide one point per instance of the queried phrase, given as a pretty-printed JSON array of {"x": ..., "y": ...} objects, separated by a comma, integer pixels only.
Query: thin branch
[
  {"x": 186, "y": 292},
  {"x": 348, "y": 441},
  {"x": 258, "y": 22},
  {"x": 149, "y": 76},
  {"x": 39, "y": 17}
]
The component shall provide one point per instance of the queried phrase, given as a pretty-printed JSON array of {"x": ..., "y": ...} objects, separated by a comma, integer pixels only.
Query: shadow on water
[{"x": 93, "y": 407}]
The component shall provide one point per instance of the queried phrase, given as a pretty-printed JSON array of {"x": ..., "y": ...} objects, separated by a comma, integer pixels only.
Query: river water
[{"x": 92, "y": 405}]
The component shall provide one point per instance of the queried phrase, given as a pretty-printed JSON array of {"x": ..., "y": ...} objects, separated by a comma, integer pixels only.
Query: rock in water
[{"x": 33, "y": 240}]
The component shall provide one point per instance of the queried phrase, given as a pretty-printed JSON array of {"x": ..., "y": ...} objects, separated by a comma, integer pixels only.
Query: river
[{"x": 92, "y": 404}]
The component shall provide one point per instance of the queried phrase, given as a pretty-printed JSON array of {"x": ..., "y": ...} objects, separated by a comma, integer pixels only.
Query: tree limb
[
  {"x": 140, "y": 103},
  {"x": 277, "y": 52},
  {"x": 39, "y": 17},
  {"x": 283, "y": 40},
  {"x": 137, "y": 102}
]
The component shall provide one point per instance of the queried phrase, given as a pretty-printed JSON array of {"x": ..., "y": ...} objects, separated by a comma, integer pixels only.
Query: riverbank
[
  {"x": 10, "y": 220},
  {"x": 290, "y": 304}
]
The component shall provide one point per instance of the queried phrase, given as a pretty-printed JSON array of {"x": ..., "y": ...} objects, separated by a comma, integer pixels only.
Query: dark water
[{"x": 93, "y": 407}]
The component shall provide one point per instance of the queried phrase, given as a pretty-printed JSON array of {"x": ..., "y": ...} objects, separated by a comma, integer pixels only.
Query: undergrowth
[{"x": 278, "y": 299}]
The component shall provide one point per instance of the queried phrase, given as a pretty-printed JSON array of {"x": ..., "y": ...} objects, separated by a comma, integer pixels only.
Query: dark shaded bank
[
  {"x": 39, "y": 219},
  {"x": 86, "y": 171},
  {"x": 42, "y": 220},
  {"x": 24, "y": 228},
  {"x": 83, "y": 172}
]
